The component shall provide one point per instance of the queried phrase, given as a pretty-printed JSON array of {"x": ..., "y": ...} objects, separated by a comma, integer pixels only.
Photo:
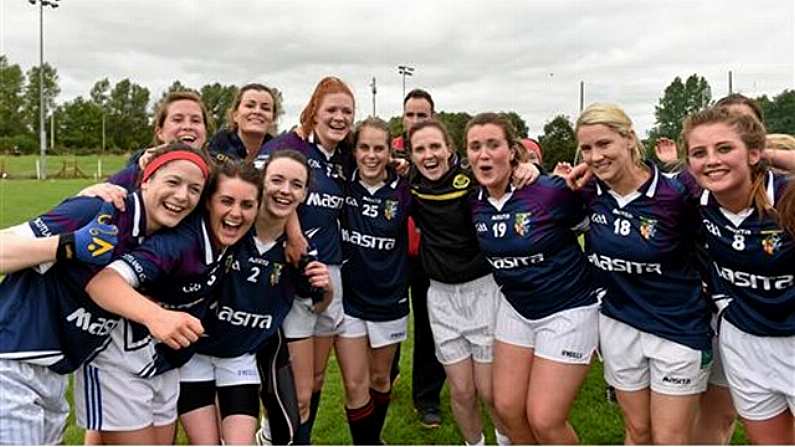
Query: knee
[
  {"x": 509, "y": 409},
  {"x": 637, "y": 433},
  {"x": 318, "y": 380},
  {"x": 380, "y": 381},
  {"x": 545, "y": 424},
  {"x": 462, "y": 393}
]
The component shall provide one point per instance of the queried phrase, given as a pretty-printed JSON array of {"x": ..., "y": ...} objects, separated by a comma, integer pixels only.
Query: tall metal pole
[
  {"x": 405, "y": 70},
  {"x": 582, "y": 94},
  {"x": 730, "y": 82},
  {"x": 103, "y": 132},
  {"x": 42, "y": 132},
  {"x": 372, "y": 84}
]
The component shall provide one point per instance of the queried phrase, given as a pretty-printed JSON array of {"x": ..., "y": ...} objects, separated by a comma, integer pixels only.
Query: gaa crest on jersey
[
  {"x": 276, "y": 274},
  {"x": 390, "y": 209},
  {"x": 461, "y": 181},
  {"x": 521, "y": 224},
  {"x": 230, "y": 260},
  {"x": 648, "y": 227},
  {"x": 771, "y": 241}
]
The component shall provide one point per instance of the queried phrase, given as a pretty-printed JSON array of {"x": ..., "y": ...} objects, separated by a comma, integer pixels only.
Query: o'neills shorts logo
[{"x": 461, "y": 181}]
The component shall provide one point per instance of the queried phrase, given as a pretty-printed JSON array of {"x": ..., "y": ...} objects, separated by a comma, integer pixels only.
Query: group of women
[{"x": 217, "y": 278}]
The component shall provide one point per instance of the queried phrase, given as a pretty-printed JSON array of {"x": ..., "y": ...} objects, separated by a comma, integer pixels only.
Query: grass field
[
  {"x": 596, "y": 421},
  {"x": 24, "y": 166}
]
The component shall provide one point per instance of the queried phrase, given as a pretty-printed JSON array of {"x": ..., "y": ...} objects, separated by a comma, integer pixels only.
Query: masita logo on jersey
[
  {"x": 622, "y": 265},
  {"x": 242, "y": 318},
  {"x": 511, "y": 262},
  {"x": 771, "y": 241},
  {"x": 521, "y": 224},
  {"x": 325, "y": 200},
  {"x": 753, "y": 281},
  {"x": 367, "y": 240},
  {"x": 83, "y": 320}
]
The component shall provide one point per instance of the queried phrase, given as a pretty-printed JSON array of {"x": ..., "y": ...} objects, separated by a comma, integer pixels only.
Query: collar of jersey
[
  {"x": 327, "y": 153},
  {"x": 209, "y": 252},
  {"x": 135, "y": 203},
  {"x": 770, "y": 189},
  {"x": 648, "y": 188},
  {"x": 392, "y": 178}
]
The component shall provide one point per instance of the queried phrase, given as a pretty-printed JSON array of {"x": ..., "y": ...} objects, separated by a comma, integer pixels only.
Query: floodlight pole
[
  {"x": 42, "y": 131},
  {"x": 405, "y": 70}
]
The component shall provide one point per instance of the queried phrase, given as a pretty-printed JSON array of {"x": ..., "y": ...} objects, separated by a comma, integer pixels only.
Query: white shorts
[
  {"x": 760, "y": 370},
  {"x": 241, "y": 370},
  {"x": 568, "y": 336},
  {"x": 462, "y": 318},
  {"x": 114, "y": 400},
  {"x": 33, "y": 407},
  {"x": 717, "y": 376},
  {"x": 302, "y": 322},
  {"x": 379, "y": 333},
  {"x": 634, "y": 360}
]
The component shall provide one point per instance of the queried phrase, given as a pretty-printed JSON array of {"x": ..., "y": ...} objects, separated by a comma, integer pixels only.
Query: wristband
[{"x": 66, "y": 247}]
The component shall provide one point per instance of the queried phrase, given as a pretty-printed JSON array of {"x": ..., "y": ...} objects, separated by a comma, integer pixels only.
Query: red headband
[{"x": 158, "y": 162}]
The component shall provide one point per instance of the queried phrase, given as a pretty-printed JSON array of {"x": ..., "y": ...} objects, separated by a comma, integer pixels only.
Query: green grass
[{"x": 596, "y": 421}]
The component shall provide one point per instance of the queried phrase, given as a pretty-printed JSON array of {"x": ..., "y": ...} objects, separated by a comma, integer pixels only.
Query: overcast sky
[{"x": 472, "y": 55}]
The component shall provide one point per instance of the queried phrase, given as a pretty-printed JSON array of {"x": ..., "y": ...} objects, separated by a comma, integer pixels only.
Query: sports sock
[{"x": 360, "y": 421}]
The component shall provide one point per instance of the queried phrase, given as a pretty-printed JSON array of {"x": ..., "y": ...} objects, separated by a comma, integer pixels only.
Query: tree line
[{"x": 118, "y": 116}]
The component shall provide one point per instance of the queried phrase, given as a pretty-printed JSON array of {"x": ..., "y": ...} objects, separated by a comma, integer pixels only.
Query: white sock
[
  {"x": 482, "y": 441},
  {"x": 501, "y": 438}
]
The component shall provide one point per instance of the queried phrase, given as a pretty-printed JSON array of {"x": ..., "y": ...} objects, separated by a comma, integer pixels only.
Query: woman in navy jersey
[
  {"x": 325, "y": 125},
  {"x": 253, "y": 299},
  {"x": 546, "y": 330},
  {"x": 747, "y": 214},
  {"x": 461, "y": 283},
  {"x": 54, "y": 326},
  {"x": 654, "y": 330},
  {"x": 374, "y": 277},
  {"x": 129, "y": 390},
  {"x": 249, "y": 124}
]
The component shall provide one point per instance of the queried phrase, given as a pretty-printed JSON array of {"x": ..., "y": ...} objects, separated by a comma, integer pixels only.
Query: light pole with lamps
[
  {"x": 42, "y": 132},
  {"x": 405, "y": 70}
]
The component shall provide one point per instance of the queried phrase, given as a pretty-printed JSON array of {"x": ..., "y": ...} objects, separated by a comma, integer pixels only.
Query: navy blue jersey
[
  {"x": 375, "y": 249},
  {"x": 528, "y": 238},
  {"x": 48, "y": 318},
  {"x": 180, "y": 269},
  {"x": 227, "y": 145},
  {"x": 319, "y": 214},
  {"x": 254, "y": 297},
  {"x": 753, "y": 260},
  {"x": 643, "y": 249}
]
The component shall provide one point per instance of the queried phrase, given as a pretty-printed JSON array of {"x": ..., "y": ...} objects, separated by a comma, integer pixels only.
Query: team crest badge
[
  {"x": 276, "y": 274},
  {"x": 390, "y": 209},
  {"x": 771, "y": 242},
  {"x": 648, "y": 227},
  {"x": 521, "y": 224},
  {"x": 228, "y": 265},
  {"x": 461, "y": 181}
]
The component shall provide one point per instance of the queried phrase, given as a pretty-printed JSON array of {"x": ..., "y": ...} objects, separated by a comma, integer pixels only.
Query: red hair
[{"x": 326, "y": 86}]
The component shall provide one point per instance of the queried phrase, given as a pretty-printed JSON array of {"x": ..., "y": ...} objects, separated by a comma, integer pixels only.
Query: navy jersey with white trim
[
  {"x": 754, "y": 262},
  {"x": 47, "y": 318},
  {"x": 375, "y": 249},
  {"x": 529, "y": 241},
  {"x": 255, "y": 295},
  {"x": 319, "y": 214},
  {"x": 180, "y": 269},
  {"x": 642, "y": 247}
]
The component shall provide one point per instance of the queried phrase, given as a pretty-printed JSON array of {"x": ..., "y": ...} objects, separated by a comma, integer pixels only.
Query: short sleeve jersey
[
  {"x": 528, "y": 239},
  {"x": 754, "y": 264},
  {"x": 374, "y": 241},
  {"x": 255, "y": 295},
  {"x": 642, "y": 247},
  {"x": 320, "y": 212},
  {"x": 48, "y": 318},
  {"x": 180, "y": 269}
]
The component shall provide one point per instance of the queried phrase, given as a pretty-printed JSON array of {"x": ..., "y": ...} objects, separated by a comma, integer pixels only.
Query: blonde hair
[
  {"x": 780, "y": 141},
  {"x": 612, "y": 116}
]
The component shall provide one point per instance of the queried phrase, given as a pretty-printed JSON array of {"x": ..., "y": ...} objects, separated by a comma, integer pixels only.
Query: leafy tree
[
  {"x": 518, "y": 123},
  {"x": 395, "y": 125},
  {"x": 31, "y": 96},
  {"x": 779, "y": 112},
  {"x": 128, "y": 121},
  {"x": 12, "y": 120},
  {"x": 218, "y": 99},
  {"x": 455, "y": 123},
  {"x": 678, "y": 101},
  {"x": 100, "y": 92},
  {"x": 559, "y": 142},
  {"x": 79, "y": 124}
]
